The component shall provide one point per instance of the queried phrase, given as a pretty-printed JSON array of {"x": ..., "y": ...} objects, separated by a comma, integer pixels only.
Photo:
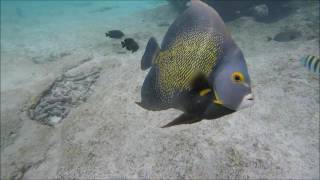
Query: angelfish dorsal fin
[{"x": 151, "y": 52}]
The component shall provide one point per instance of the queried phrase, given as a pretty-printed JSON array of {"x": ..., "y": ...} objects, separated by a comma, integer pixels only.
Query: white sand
[{"x": 110, "y": 137}]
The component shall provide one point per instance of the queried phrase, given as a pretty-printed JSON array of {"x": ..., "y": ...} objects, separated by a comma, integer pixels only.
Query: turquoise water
[
  {"x": 33, "y": 12},
  {"x": 61, "y": 23},
  {"x": 55, "y": 55}
]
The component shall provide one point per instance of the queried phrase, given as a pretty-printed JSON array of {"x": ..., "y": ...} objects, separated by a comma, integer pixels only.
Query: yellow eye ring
[{"x": 237, "y": 77}]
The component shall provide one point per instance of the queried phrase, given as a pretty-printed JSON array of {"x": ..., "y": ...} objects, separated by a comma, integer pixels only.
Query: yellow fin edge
[
  {"x": 217, "y": 100},
  {"x": 204, "y": 92}
]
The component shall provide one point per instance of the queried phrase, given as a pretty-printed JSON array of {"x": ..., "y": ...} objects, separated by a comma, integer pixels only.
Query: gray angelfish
[{"x": 198, "y": 69}]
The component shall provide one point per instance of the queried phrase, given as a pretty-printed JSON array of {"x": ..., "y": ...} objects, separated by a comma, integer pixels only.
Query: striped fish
[{"x": 312, "y": 63}]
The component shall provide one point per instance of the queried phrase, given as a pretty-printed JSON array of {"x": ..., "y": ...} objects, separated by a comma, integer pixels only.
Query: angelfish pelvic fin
[
  {"x": 141, "y": 104},
  {"x": 183, "y": 119}
]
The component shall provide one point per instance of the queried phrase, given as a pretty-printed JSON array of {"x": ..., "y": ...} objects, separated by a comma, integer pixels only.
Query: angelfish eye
[{"x": 237, "y": 77}]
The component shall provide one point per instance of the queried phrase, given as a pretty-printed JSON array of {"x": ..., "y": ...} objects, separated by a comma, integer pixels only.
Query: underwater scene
[{"x": 160, "y": 89}]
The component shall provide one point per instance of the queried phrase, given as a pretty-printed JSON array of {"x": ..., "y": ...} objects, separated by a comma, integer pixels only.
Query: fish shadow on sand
[
  {"x": 51, "y": 58},
  {"x": 287, "y": 35}
]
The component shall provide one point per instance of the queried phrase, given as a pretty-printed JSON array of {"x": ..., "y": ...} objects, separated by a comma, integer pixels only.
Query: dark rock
[
  {"x": 232, "y": 9},
  {"x": 66, "y": 92},
  {"x": 260, "y": 11},
  {"x": 287, "y": 35},
  {"x": 276, "y": 11}
]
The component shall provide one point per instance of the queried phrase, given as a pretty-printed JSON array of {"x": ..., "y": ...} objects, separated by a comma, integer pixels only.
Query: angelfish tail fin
[
  {"x": 150, "y": 54},
  {"x": 183, "y": 119}
]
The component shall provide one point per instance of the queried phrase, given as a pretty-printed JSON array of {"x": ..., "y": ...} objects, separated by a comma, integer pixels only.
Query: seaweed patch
[{"x": 66, "y": 92}]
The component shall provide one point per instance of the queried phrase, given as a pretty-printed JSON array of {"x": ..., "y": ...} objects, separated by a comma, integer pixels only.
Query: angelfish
[{"x": 198, "y": 69}]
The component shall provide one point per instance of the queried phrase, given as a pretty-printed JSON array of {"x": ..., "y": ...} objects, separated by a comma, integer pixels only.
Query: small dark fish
[
  {"x": 163, "y": 24},
  {"x": 288, "y": 35},
  {"x": 103, "y": 9},
  {"x": 312, "y": 63},
  {"x": 116, "y": 34},
  {"x": 130, "y": 44}
]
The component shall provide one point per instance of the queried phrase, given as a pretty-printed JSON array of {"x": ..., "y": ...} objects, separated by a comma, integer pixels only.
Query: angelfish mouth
[{"x": 247, "y": 101}]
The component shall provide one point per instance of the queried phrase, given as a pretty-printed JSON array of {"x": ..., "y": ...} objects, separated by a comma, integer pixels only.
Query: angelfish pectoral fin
[
  {"x": 183, "y": 119},
  {"x": 217, "y": 102},
  {"x": 150, "y": 54},
  {"x": 204, "y": 92},
  {"x": 200, "y": 84}
]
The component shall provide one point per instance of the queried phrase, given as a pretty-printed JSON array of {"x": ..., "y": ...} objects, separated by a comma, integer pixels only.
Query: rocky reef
[
  {"x": 261, "y": 10},
  {"x": 67, "y": 91}
]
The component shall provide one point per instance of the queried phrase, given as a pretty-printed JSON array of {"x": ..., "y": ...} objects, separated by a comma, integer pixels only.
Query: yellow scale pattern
[{"x": 190, "y": 54}]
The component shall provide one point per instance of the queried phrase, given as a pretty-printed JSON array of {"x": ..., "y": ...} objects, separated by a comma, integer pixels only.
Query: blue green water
[
  {"x": 35, "y": 25},
  {"x": 43, "y": 11},
  {"x": 109, "y": 136}
]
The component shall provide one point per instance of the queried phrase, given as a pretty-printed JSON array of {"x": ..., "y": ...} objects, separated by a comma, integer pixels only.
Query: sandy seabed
[{"x": 109, "y": 136}]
